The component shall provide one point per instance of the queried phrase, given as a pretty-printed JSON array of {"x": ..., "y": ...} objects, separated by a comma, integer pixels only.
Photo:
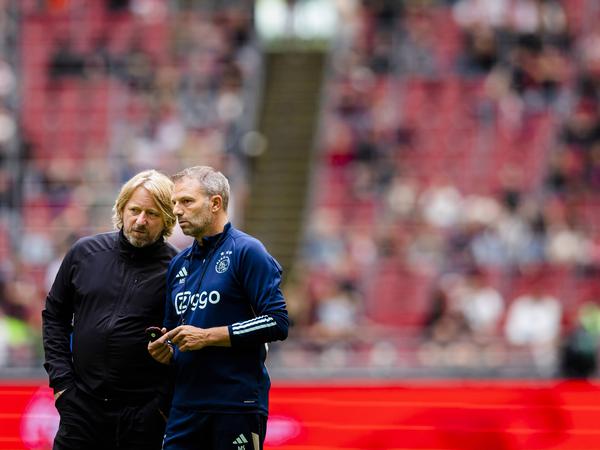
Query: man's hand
[
  {"x": 161, "y": 349},
  {"x": 188, "y": 338}
]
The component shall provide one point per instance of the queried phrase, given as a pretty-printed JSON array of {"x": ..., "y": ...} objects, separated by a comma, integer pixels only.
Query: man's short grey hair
[{"x": 211, "y": 180}]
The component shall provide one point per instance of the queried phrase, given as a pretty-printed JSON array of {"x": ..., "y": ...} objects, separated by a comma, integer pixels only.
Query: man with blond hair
[{"x": 110, "y": 287}]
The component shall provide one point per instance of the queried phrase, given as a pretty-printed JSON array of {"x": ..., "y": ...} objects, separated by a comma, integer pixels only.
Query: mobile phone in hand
[{"x": 153, "y": 333}]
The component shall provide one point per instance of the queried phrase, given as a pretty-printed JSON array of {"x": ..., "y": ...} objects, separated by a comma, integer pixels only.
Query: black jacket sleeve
[{"x": 57, "y": 326}]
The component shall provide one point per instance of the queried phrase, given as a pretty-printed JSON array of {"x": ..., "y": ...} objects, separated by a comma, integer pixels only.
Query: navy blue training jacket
[{"x": 231, "y": 280}]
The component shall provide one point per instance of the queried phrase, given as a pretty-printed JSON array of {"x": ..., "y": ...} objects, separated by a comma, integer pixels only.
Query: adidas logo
[
  {"x": 182, "y": 273},
  {"x": 240, "y": 440}
]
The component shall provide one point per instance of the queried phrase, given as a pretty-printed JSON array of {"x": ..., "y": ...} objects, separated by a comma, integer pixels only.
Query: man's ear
[{"x": 216, "y": 203}]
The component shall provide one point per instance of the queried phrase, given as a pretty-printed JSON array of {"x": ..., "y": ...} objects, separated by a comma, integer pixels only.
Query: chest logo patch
[{"x": 223, "y": 263}]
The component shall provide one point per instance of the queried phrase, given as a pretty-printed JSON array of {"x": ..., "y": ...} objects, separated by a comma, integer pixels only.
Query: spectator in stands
[
  {"x": 16, "y": 335},
  {"x": 100, "y": 61},
  {"x": 65, "y": 61},
  {"x": 327, "y": 246},
  {"x": 4, "y": 341},
  {"x": 447, "y": 337},
  {"x": 425, "y": 248},
  {"x": 19, "y": 341},
  {"x": 481, "y": 51},
  {"x": 7, "y": 79},
  {"x": 480, "y": 303},
  {"x": 21, "y": 294},
  {"x": 469, "y": 13},
  {"x": 588, "y": 315},
  {"x": 592, "y": 168},
  {"x": 337, "y": 313},
  {"x": 533, "y": 321},
  {"x": 110, "y": 394},
  {"x": 481, "y": 214},
  {"x": 579, "y": 347},
  {"x": 441, "y": 203},
  {"x": 582, "y": 128},
  {"x": 139, "y": 69},
  {"x": 545, "y": 18},
  {"x": 567, "y": 243},
  {"x": 8, "y": 188},
  {"x": 400, "y": 197},
  {"x": 416, "y": 53}
]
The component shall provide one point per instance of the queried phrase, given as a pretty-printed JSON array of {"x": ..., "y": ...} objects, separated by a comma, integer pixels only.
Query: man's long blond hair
[{"x": 160, "y": 188}]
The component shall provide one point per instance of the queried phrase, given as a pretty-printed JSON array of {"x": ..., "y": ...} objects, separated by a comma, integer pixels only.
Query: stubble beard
[
  {"x": 139, "y": 243},
  {"x": 200, "y": 229}
]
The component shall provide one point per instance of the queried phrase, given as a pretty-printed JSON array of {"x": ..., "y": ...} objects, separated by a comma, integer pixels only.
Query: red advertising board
[{"x": 360, "y": 416}]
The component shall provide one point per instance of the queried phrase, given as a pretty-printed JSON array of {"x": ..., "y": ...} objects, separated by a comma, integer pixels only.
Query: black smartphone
[{"x": 153, "y": 333}]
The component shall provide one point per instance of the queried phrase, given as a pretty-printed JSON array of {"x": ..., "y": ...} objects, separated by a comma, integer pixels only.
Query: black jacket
[{"x": 105, "y": 294}]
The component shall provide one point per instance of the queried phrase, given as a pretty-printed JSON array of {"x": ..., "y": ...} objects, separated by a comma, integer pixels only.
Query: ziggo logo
[{"x": 186, "y": 299}]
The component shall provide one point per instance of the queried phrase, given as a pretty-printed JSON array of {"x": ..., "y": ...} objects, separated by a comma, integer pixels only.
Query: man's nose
[{"x": 141, "y": 218}]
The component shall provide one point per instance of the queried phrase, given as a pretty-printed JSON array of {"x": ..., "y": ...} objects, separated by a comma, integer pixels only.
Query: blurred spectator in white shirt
[
  {"x": 468, "y": 13},
  {"x": 441, "y": 204},
  {"x": 481, "y": 304},
  {"x": 534, "y": 321}
]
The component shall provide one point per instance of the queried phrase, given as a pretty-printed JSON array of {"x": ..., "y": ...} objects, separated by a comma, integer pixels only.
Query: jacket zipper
[{"x": 127, "y": 294}]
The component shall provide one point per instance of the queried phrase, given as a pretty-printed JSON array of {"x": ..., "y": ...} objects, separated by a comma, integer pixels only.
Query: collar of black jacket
[{"x": 133, "y": 252}]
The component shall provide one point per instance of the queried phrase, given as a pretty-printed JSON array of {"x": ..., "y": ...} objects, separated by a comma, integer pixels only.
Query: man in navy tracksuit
[{"x": 224, "y": 304}]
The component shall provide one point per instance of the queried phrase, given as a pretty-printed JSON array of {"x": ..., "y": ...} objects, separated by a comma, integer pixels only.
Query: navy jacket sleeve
[
  {"x": 57, "y": 327},
  {"x": 260, "y": 276}
]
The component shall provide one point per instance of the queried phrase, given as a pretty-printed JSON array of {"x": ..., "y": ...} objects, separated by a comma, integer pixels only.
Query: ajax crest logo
[{"x": 223, "y": 262}]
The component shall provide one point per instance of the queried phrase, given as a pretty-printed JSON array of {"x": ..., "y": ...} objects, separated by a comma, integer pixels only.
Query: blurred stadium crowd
[
  {"x": 453, "y": 218},
  {"x": 108, "y": 89}
]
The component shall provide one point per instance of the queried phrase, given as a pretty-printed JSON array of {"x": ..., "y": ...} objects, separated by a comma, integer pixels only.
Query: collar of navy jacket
[{"x": 208, "y": 243}]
